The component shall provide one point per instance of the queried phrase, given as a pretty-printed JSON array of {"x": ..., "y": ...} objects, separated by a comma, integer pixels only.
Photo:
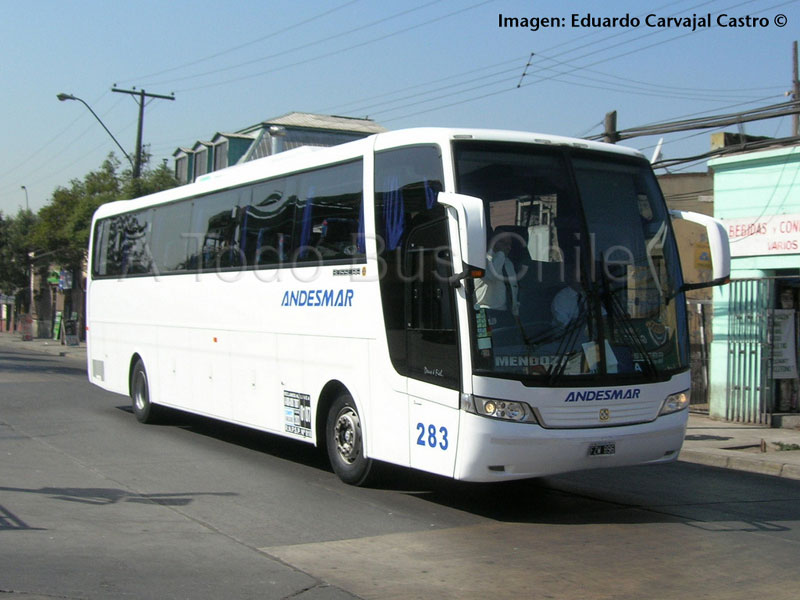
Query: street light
[
  {"x": 27, "y": 207},
  {"x": 63, "y": 97}
]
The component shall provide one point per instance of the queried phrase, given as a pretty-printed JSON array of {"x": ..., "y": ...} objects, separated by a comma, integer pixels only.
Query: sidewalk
[
  {"x": 743, "y": 447},
  {"x": 708, "y": 442},
  {"x": 11, "y": 340}
]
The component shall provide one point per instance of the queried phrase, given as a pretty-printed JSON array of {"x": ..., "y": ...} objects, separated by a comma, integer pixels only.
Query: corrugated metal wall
[{"x": 749, "y": 388}]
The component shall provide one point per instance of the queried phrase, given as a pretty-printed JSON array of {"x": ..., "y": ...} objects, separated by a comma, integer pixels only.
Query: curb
[{"x": 732, "y": 459}]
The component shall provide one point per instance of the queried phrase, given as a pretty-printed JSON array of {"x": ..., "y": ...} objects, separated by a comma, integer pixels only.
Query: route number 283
[{"x": 431, "y": 436}]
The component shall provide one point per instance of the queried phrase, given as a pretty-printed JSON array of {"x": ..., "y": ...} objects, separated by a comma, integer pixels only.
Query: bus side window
[
  {"x": 131, "y": 244},
  {"x": 267, "y": 224},
  {"x": 214, "y": 224},
  {"x": 329, "y": 219},
  {"x": 100, "y": 250},
  {"x": 430, "y": 312},
  {"x": 169, "y": 241},
  {"x": 414, "y": 247}
]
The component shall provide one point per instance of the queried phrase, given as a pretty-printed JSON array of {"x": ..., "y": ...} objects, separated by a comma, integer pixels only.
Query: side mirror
[
  {"x": 718, "y": 252},
  {"x": 471, "y": 227}
]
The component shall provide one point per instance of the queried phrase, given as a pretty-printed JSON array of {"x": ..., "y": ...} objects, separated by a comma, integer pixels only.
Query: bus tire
[
  {"x": 345, "y": 442},
  {"x": 143, "y": 409}
]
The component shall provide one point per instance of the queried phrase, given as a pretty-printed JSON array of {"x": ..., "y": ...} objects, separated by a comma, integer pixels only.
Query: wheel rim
[
  {"x": 140, "y": 398},
  {"x": 347, "y": 433}
]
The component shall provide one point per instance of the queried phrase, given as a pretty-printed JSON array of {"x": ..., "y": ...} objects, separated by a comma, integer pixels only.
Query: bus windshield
[{"x": 582, "y": 268}]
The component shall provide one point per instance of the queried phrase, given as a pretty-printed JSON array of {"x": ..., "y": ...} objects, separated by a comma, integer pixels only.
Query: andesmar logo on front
[
  {"x": 318, "y": 298},
  {"x": 610, "y": 394}
]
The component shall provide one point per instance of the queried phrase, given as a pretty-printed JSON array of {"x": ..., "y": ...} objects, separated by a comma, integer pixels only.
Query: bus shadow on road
[
  {"x": 708, "y": 498},
  {"x": 277, "y": 446}
]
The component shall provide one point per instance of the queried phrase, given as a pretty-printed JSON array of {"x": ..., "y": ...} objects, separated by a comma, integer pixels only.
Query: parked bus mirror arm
[
  {"x": 469, "y": 272},
  {"x": 471, "y": 227},
  {"x": 719, "y": 247}
]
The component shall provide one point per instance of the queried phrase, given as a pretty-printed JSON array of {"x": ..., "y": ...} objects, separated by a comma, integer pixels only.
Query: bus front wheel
[
  {"x": 143, "y": 409},
  {"x": 345, "y": 442}
]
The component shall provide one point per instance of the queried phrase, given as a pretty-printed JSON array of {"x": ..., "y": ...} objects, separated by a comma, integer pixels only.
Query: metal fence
[{"x": 749, "y": 386}]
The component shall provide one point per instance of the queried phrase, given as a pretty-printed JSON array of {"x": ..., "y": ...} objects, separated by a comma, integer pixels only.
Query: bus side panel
[
  {"x": 116, "y": 336},
  {"x": 102, "y": 371},
  {"x": 175, "y": 377},
  {"x": 433, "y": 427},
  {"x": 388, "y": 403},
  {"x": 210, "y": 372},
  {"x": 255, "y": 381},
  {"x": 341, "y": 359},
  {"x": 433, "y": 436}
]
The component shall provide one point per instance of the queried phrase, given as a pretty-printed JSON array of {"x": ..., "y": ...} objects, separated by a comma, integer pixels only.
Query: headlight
[
  {"x": 675, "y": 402},
  {"x": 506, "y": 410}
]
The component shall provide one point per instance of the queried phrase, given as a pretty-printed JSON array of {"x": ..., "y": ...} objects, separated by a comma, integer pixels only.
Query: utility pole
[
  {"x": 142, "y": 95},
  {"x": 610, "y": 134},
  {"x": 795, "y": 90}
]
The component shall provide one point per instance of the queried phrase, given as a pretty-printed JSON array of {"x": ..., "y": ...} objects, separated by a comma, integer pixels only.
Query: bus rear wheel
[
  {"x": 345, "y": 442},
  {"x": 143, "y": 409}
]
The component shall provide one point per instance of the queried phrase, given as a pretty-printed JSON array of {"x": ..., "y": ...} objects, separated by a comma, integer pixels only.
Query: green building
[{"x": 753, "y": 357}]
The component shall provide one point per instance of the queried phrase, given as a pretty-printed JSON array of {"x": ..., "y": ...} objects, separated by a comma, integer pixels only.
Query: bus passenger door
[
  {"x": 418, "y": 307},
  {"x": 432, "y": 348}
]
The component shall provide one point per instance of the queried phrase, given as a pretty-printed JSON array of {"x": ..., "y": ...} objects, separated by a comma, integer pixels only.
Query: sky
[{"x": 403, "y": 64}]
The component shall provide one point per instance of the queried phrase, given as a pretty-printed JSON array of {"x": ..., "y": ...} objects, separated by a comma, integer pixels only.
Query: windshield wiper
[
  {"x": 619, "y": 315},
  {"x": 568, "y": 340}
]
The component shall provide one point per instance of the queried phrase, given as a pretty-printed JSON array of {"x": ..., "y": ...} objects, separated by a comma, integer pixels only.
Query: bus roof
[{"x": 307, "y": 157}]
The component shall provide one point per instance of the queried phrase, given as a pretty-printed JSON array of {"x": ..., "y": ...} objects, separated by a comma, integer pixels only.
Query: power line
[
  {"x": 244, "y": 45},
  {"x": 758, "y": 114},
  {"x": 719, "y": 108},
  {"x": 295, "y": 49},
  {"x": 425, "y": 84},
  {"x": 340, "y": 51},
  {"x": 584, "y": 67},
  {"x": 756, "y": 145},
  {"x": 649, "y": 88},
  {"x": 469, "y": 72},
  {"x": 453, "y": 92},
  {"x": 497, "y": 92}
]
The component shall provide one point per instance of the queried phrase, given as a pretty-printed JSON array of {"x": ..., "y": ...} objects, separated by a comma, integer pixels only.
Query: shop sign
[
  {"x": 764, "y": 235},
  {"x": 65, "y": 280}
]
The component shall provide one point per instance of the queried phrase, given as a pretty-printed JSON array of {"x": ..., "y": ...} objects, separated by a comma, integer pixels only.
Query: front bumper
[{"x": 492, "y": 450}]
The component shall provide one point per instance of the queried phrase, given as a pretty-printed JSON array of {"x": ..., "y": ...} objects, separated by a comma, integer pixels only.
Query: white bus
[{"x": 483, "y": 305}]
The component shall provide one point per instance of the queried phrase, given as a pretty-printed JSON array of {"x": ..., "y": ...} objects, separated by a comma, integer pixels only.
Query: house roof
[
  {"x": 197, "y": 145},
  {"x": 326, "y": 122},
  {"x": 241, "y": 136}
]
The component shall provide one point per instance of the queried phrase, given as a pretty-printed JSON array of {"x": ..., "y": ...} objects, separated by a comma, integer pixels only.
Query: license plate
[{"x": 602, "y": 449}]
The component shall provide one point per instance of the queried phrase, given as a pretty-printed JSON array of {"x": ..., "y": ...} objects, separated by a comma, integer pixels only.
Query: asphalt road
[{"x": 95, "y": 505}]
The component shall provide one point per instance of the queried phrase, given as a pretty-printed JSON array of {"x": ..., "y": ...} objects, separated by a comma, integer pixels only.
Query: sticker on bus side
[
  {"x": 297, "y": 413},
  {"x": 318, "y": 298}
]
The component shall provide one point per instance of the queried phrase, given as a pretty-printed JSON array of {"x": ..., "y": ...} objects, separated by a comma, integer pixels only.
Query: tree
[
  {"x": 65, "y": 222},
  {"x": 151, "y": 181},
  {"x": 15, "y": 246},
  {"x": 59, "y": 233}
]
